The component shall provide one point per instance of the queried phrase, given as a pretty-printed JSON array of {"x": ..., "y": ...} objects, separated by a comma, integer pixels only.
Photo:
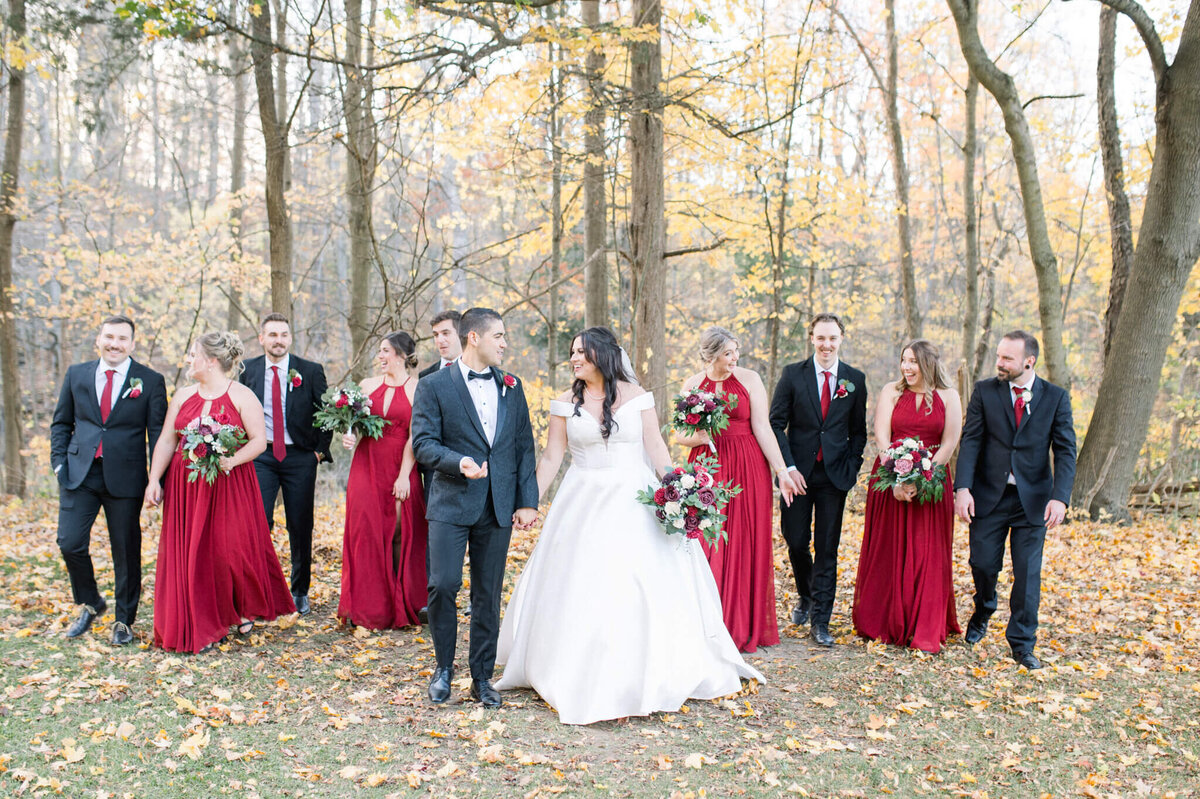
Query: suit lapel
[
  {"x": 808, "y": 379},
  {"x": 501, "y": 402},
  {"x": 464, "y": 394},
  {"x": 90, "y": 385},
  {"x": 255, "y": 370},
  {"x": 1003, "y": 390}
]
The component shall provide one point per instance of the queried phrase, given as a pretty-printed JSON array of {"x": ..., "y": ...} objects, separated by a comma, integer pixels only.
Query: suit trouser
[
  {"x": 77, "y": 511},
  {"x": 988, "y": 533},
  {"x": 487, "y": 542},
  {"x": 815, "y": 573},
  {"x": 296, "y": 475}
]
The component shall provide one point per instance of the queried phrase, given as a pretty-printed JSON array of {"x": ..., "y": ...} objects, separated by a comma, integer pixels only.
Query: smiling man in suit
[
  {"x": 106, "y": 422},
  {"x": 819, "y": 414},
  {"x": 289, "y": 388},
  {"x": 1006, "y": 484}
]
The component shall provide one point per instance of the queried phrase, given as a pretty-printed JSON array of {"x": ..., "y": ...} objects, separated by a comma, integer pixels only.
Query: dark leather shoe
[
  {"x": 1028, "y": 660},
  {"x": 121, "y": 635},
  {"x": 976, "y": 628},
  {"x": 302, "y": 606},
  {"x": 800, "y": 614},
  {"x": 820, "y": 635},
  {"x": 86, "y": 616},
  {"x": 439, "y": 685},
  {"x": 483, "y": 692},
  {"x": 423, "y": 615}
]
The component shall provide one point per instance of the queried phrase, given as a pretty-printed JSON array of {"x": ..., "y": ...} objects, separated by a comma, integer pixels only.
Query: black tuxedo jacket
[
  {"x": 992, "y": 446},
  {"x": 841, "y": 436},
  {"x": 302, "y": 401},
  {"x": 430, "y": 369},
  {"x": 129, "y": 434},
  {"x": 446, "y": 428}
]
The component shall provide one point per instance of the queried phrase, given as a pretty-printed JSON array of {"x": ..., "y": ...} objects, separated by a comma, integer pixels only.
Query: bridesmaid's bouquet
[
  {"x": 346, "y": 409},
  {"x": 688, "y": 501},
  {"x": 702, "y": 412},
  {"x": 207, "y": 439},
  {"x": 908, "y": 460}
]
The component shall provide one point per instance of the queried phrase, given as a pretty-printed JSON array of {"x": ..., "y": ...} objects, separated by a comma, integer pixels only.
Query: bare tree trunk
[
  {"x": 556, "y": 210},
  {"x": 281, "y": 92},
  {"x": 14, "y": 461},
  {"x": 908, "y": 282},
  {"x": 279, "y": 226},
  {"x": 1001, "y": 86},
  {"x": 647, "y": 214},
  {"x": 362, "y": 154},
  {"x": 1120, "y": 226},
  {"x": 970, "y": 231},
  {"x": 237, "y": 175},
  {"x": 1167, "y": 249},
  {"x": 594, "y": 245}
]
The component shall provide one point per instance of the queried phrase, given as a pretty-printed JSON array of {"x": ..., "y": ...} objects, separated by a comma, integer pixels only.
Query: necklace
[{"x": 593, "y": 396}]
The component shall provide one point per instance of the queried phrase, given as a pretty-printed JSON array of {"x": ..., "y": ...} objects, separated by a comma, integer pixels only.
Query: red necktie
[
  {"x": 278, "y": 448},
  {"x": 826, "y": 399},
  {"x": 1019, "y": 405},
  {"x": 105, "y": 405},
  {"x": 447, "y": 363}
]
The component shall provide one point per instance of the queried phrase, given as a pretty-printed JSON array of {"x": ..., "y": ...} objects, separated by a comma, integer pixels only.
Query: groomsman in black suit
[
  {"x": 445, "y": 339},
  {"x": 471, "y": 426},
  {"x": 1005, "y": 484},
  {"x": 106, "y": 422},
  {"x": 819, "y": 414},
  {"x": 290, "y": 390}
]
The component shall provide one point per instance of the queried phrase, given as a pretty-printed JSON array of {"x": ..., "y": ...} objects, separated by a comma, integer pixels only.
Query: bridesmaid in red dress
[
  {"x": 216, "y": 564},
  {"x": 904, "y": 593},
  {"x": 748, "y": 451},
  {"x": 384, "y": 582}
]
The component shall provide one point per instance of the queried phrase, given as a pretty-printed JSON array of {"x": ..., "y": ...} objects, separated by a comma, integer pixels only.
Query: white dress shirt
[
  {"x": 269, "y": 396},
  {"x": 1012, "y": 397},
  {"x": 118, "y": 380},
  {"x": 486, "y": 397},
  {"x": 833, "y": 370}
]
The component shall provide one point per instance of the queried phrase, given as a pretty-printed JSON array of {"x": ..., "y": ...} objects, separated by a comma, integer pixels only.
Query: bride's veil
[{"x": 627, "y": 365}]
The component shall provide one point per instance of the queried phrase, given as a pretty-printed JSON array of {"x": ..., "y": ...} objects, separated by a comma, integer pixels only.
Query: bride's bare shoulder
[
  {"x": 628, "y": 391},
  {"x": 566, "y": 396}
]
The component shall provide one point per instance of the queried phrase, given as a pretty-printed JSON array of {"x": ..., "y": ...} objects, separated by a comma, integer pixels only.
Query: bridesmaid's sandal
[{"x": 246, "y": 627}]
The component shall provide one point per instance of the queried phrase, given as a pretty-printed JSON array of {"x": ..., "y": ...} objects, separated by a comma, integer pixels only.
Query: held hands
[
  {"x": 798, "y": 483},
  {"x": 524, "y": 518},
  {"x": 787, "y": 489},
  {"x": 154, "y": 494},
  {"x": 472, "y": 470},
  {"x": 1055, "y": 513},
  {"x": 402, "y": 487},
  {"x": 964, "y": 505}
]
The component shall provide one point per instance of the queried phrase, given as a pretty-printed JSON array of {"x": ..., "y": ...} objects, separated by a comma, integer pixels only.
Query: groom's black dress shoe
[
  {"x": 976, "y": 627},
  {"x": 302, "y": 605},
  {"x": 1028, "y": 660},
  {"x": 800, "y": 614},
  {"x": 483, "y": 692},
  {"x": 820, "y": 634},
  {"x": 86, "y": 617},
  {"x": 121, "y": 634},
  {"x": 423, "y": 615},
  {"x": 439, "y": 685}
]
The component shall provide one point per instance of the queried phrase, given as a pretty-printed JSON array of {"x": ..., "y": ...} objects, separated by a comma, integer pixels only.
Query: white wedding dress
[{"x": 612, "y": 617}]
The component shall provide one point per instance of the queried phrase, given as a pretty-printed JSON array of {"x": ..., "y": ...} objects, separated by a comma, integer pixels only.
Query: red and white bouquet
[
  {"x": 347, "y": 409},
  {"x": 909, "y": 462},
  {"x": 702, "y": 412},
  {"x": 688, "y": 501},
  {"x": 207, "y": 439}
]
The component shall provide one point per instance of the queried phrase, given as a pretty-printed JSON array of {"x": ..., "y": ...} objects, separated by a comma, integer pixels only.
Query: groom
[
  {"x": 470, "y": 424},
  {"x": 1005, "y": 485},
  {"x": 819, "y": 415}
]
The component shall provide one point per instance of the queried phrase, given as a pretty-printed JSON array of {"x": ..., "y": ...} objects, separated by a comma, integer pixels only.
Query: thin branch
[
  {"x": 699, "y": 248},
  {"x": 1145, "y": 26},
  {"x": 1031, "y": 100}
]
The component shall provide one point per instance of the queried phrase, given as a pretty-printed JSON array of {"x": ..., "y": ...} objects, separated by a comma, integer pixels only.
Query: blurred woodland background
[{"x": 949, "y": 169}]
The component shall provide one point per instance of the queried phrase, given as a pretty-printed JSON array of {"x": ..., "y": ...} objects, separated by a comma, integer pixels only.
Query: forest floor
[{"x": 304, "y": 707}]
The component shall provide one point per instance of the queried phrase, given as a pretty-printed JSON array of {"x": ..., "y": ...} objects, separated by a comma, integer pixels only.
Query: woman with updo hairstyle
[
  {"x": 904, "y": 591},
  {"x": 748, "y": 452},
  {"x": 217, "y": 566},
  {"x": 384, "y": 581}
]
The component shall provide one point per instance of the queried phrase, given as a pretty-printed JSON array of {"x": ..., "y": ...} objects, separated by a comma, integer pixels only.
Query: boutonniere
[
  {"x": 135, "y": 389},
  {"x": 294, "y": 378},
  {"x": 1025, "y": 395},
  {"x": 509, "y": 382},
  {"x": 844, "y": 389}
]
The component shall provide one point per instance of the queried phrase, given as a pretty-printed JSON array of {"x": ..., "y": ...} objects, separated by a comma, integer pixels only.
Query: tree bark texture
[
  {"x": 594, "y": 198},
  {"x": 14, "y": 461},
  {"x": 237, "y": 173},
  {"x": 908, "y": 280},
  {"x": 970, "y": 231},
  {"x": 1045, "y": 264},
  {"x": 1167, "y": 249},
  {"x": 362, "y": 152}
]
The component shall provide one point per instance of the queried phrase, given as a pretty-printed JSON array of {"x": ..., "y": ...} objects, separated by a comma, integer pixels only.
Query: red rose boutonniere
[
  {"x": 135, "y": 389},
  {"x": 509, "y": 382},
  {"x": 294, "y": 378},
  {"x": 845, "y": 388}
]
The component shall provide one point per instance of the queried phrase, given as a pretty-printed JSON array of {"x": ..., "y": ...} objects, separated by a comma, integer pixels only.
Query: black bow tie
[{"x": 478, "y": 375}]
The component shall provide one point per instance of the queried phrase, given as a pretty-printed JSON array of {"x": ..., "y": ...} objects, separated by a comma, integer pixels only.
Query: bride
[{"x": 612, "y": 617}]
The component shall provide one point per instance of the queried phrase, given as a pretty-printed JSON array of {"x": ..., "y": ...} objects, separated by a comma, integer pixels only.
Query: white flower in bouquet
[{"x": 687, "y": 481}]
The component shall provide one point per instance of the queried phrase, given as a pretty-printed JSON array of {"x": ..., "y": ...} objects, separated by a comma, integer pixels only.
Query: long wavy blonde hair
[{"x": 929, "y": 364}]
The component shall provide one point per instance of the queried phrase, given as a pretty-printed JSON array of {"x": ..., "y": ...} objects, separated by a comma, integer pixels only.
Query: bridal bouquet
[
  {"x": 702, "y": 411},
  {"x": 688, "y": 501},
  {"x": 346, "y": 409},
  {"x": 207, "y": 439},
  {"x": 908, "y": 460}
]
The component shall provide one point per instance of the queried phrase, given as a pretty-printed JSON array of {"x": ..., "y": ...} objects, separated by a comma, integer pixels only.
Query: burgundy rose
[
  {"x": 928, "y": 475},
  {"x": 201, "y": 450},
  {"x": 660, "y": 497},
  {"x": 661, "y": 514},
  {"x": 694, "y": 534},
  {"x": 342, "y": 401},
  {"x": 671, "y": 492},
  {"x": 706, "y": 496},
  {"x": 692, "y": 510},
  {"x": 669, "y": 477},
  {"x": 691, "y": 523},
  {"x": 692, "y": 399},
  {"x": 510, "y": 381},
  {"x": 692, "y": 418},
  {"x": 710, "y": 406},
  {"x": 703, "y": 479},
  {"x": 296, "y": 381},
  {"x": 134, "y": 393}
]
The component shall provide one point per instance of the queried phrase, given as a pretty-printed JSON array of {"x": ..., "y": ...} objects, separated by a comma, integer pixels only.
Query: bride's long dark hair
[{"x": 603, "y": 352}]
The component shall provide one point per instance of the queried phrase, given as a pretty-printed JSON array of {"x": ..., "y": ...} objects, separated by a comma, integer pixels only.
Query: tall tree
[
  {"x": 647, "y": 213},
  {"x": 970, "y": 230},
  {"x": 1045, "y": 264},
  {"x": 14, "y": 461},
  {"x": 1168, "y": 246},
  {"x": 594, "y": 199}
]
